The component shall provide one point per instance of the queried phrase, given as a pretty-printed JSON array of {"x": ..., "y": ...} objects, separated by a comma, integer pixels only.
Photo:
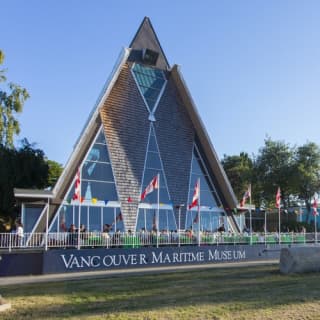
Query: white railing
[{"x": 12, "y": 241}]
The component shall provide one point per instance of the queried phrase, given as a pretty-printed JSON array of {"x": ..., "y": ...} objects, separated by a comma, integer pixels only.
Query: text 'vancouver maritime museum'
[{"x": 143, "y": 134}]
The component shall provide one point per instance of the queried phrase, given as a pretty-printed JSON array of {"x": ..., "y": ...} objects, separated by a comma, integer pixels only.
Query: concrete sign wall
[{"x": 56, "y": 261}]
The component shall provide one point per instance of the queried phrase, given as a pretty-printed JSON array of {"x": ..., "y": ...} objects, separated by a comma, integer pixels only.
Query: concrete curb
[{"x": 18, "y": 280}]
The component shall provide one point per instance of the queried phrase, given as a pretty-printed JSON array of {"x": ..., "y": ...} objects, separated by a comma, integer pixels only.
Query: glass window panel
[
  {"x": 150, "y": 82},
  {"x": 108, "y": 216},
  {"x": 166, "y": 220},
  {"x": 97, "y": 171},
  {"x": 31, "y": 216},
  {"x": 141, "y": 220},
  {"x": 153, "y": 161},
  {"x": 146, "y": 219},
  {"x": 99, "y": 152},
  {"x": 118, "y": 223},
  {"x": 195, "y": 167},
  {"x": 101, "y": 137},
  {"x": 152, "y": 144},
  {"x": 151, "y": 94},
  {"x": 84, "y": 217},
  {"x": 67, "y": 213},
  {"x": 151, "y": 103},
  {"x": 53, "y": 227},
  {"x": 156, "y": 84},
  {"x": 99, "y": 190},
  {"x": 95, "y": 219}
]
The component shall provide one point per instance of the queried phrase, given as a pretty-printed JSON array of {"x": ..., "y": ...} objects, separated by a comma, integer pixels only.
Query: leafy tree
[
  {"x": 274, "y": 167},
  {"x": 11, "y": 103},
  {"x": 239, "y": 171},
  {"x": 307, "y": 172},
  {"x": 25, "y": 167},
  {"x": 55, "y": 170}
]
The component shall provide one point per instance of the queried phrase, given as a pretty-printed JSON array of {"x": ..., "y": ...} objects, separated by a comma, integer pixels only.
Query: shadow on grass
[{"x": 248, "y": 289}]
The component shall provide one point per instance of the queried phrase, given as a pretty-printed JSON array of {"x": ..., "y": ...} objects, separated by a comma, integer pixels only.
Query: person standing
[{"x": 19, "y": 233}]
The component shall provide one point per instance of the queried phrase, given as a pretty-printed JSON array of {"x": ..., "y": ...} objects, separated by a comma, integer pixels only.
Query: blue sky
[{"x": 252, "y": 67}]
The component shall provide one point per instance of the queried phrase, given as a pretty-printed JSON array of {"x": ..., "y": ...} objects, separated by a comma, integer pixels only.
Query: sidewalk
[{"x": 18, "y": 280}]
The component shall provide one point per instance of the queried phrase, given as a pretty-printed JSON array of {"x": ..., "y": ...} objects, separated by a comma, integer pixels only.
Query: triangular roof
[{"x": 146, "y": 37}]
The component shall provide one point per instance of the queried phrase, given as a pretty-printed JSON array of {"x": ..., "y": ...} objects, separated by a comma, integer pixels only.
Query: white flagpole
[
  {"x": 47, "y": 224},
  {"x": 79, "y": 212},
  {"x": 199, "y": 218},
  {"x": 250, "y": 214},
  {"x": 158, "y": 209},
  {"x": 315, "y": 227},
  {"x": 265, "y": 223},
  {"x": 279, "y": 225}
]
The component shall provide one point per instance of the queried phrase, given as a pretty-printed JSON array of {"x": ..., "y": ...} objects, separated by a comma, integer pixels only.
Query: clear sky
[{"x": 252, "y": 67}]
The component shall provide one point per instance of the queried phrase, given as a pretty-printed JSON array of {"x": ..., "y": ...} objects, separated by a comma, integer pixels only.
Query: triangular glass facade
[
  {"x": 99, "y": 198},
  {"x": 150, "y": 82},
  {"x": 148, "y": 207},
  {"x": 211, "y": 211}
]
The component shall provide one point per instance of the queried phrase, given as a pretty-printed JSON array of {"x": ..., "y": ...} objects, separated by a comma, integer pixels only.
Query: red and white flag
[
  {"x": 246, "y": 196},
  {"x": 196, "y": 195},
  {"x": 77, "y": 191},
  {"x": 315, "y": 205},
  {"x": 278, "y": 198},
  {"x": 154, "y": 184}
]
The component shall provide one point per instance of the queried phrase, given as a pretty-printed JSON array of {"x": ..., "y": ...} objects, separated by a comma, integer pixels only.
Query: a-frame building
[{"x": 144, "y": 124}]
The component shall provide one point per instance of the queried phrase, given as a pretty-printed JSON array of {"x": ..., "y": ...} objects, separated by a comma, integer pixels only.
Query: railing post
[{"x": 10, "y": 239}]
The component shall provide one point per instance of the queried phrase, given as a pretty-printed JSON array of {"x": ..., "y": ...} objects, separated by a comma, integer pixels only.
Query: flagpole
[
  {"x": 315, "y": 227},
  {"x": 158, "y": 209},
  {"x": 47, "y": 224},
  {"x": 250, "y": 215},
  {"x": 265, "y": 223},
  {"x": 79, "y": 212},
  {"x": 279, "y": 225},
  {"x": 199, "y": 218}
]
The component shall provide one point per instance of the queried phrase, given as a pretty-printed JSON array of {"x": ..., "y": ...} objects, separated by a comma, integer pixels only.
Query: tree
[
  {"x": 55, "y": 170},
  {"x": 274, "y": 167},
  {"x": 25, "y": 167},
  {"x": 239, "y": 171},
  {"x": 11, "y": 103},
  {"x": 307, "y": 172}
]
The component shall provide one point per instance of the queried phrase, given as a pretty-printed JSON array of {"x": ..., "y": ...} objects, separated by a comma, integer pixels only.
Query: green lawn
[{"x": 231, "y": 293}]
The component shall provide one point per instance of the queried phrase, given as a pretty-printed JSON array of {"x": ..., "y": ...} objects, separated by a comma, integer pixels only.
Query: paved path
[{"x": 7, "y": 281}]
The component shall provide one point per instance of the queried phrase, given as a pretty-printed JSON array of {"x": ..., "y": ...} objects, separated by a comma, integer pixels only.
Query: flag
[
  {"x": 196, "y": 195},
  {"x": 278, "y": 198},
  {"x": 246, "y": 196},
  {"x": 315, "y": 205},
  {"x": 154, "y": 184},
  {"x": 77, "y": 190},
  {"x": 94, "y": 200}
]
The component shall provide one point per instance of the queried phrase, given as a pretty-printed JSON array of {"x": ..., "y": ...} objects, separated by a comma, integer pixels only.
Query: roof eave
[{"x": 32, "y": 193}]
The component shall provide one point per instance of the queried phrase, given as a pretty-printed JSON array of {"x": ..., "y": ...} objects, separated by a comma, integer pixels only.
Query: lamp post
[{"x": 179, "y": 220}]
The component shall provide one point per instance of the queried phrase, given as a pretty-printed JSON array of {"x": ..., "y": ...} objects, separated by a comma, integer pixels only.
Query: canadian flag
[
  {"x": 77, "y": 192},
  {"x": 196, "y": 194},
  {"x": 246, "y": 196},
  {"x": 154, "y": 184},
  {"x": 278, "y": 198},
  {"x": 315, "y": 205}
]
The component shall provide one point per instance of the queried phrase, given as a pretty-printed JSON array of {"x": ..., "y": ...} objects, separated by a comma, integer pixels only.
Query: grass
[{"x": 231, "y": 293}]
